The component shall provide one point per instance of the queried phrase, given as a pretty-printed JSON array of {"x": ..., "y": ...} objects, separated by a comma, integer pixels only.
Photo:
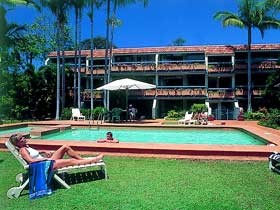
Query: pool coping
[{"x": 195, "y": 151}]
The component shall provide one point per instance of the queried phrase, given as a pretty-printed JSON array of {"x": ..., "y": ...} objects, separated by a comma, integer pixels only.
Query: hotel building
[{"x": 215, "y": 75}]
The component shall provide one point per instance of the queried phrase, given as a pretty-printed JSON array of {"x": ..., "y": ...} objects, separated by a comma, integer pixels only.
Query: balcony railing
[
  {"x": 171, "y": 92},
  {"x": 125, "y": 67},
  {"x": 263, "y": 66},
  {"x": 220, "y": 67},
  {"x": 221, "y": 93},
  {"x": 180, "y": 92},
  {"x": 181, "y": 66},
  {"x": 86, "y": 94},
  {"x": 243, "y": 92}
]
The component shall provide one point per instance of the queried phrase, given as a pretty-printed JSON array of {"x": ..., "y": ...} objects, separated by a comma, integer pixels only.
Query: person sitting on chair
[
  {"x": 32, "y": 155},
  {"x": 132, "y": 112},
  {"x": 109, "y": 139}
]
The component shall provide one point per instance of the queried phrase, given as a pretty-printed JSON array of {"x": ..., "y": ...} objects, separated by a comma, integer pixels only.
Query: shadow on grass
[
  {"x": 71, "y": 179},
  {"x": 80, "y": 177}
]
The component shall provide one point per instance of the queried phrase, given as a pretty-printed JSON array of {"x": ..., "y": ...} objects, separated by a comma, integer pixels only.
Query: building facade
[{"x": 214, "y": 74}]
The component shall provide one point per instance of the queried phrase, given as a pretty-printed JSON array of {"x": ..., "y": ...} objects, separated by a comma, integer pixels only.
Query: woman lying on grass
[{"x": 31, "y": 155}]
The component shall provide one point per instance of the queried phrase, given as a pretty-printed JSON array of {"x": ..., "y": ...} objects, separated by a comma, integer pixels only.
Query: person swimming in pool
[
  {"x": 32, "y": 155},
  {"x": 109, "y": 139}
]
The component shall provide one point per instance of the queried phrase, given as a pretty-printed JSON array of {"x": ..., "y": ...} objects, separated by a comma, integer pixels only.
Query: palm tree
[
  {"x": 92, "y": 4},
  {"x": 273, "y": 5},
  {"x": 251, "y": 14},
  {"x": 78, "y": 7},
  {"x": 58, "y": 8},
  {"x": 11, "y": 33},
  {"x": 111, "y": 22}
]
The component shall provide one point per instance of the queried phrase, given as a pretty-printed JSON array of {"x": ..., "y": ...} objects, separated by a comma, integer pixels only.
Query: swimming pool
[
  {"x": 172, "y": 136},
  {"x": 15, "y": 130}
]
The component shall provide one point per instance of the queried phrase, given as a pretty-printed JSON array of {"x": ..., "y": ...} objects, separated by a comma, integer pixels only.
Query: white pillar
[{"x": 154, "y": 109}]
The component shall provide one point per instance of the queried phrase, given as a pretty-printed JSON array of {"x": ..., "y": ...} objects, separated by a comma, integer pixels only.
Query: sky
[{"x": 163, "y": 21}]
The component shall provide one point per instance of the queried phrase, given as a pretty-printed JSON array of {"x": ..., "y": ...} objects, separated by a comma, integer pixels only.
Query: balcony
[
  {"x": 220, "y": 67},
  {"x": 261, "y": 66},
  {"x": 181, "y": 66},
  {"x": 86, "y": 94},
  {"x": 243, "y": 92},
  {"x": 128, "y": 67},
  {"x": 221, "y": 93},
  {"x": 171, "y": 92}
]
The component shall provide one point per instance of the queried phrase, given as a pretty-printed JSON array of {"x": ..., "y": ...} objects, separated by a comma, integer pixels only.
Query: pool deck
[{"x": 193, "y": 151}]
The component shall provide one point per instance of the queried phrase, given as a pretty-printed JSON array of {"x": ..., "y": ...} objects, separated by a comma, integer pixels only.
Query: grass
[{"x": 150, "y": 183}]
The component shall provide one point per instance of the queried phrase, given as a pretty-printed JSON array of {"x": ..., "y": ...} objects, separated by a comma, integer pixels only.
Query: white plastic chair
[{"x": 76, "y": 114}]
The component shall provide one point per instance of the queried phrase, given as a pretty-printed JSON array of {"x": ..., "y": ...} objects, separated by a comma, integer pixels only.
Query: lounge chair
[
  {"x": 274, "y": 162},
  {"x": 23, "y": 179},
  {"x": 187, "y": 119},
  {"x": 76, "y": 114}
]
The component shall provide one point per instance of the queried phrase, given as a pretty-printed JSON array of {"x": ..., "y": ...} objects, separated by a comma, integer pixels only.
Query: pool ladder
[{"x": 91, "y": 121}]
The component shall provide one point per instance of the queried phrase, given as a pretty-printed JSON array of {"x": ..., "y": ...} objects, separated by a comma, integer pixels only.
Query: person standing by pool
[
  {"x": 32, "y": 155},
  {"x": 109, "y": 139}
]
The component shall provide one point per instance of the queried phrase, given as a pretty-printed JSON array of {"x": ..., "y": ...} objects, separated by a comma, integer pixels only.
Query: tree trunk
[
  {"x": 63, "y": 68},
  {"x": 91, "y": 61},
  {"x": 106, "y": 98},
  {"x": 79, "y": 59},
  {"x": 57, "y": 75},
  {"x": 76, "y": 60},
  {"x": 249, "y": 91}
]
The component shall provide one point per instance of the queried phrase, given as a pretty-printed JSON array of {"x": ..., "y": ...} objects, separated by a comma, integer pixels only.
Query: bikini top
[{"x": 33, "y": 153}]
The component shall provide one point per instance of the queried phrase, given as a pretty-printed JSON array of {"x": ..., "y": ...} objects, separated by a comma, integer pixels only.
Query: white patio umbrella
[{"x": 126, "y": 84}]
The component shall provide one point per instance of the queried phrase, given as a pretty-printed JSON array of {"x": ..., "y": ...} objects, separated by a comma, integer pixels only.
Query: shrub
[
  {"x": 199, "y": 108},
  {"x": 254, "y": 115},
  {"x": 272, "y": 119},
  {"x": 85, "y": 112},
  {"x": 173, "y": 115},
  {"x": 66, "y": 113},
  {"x": 98, "y": 110}
]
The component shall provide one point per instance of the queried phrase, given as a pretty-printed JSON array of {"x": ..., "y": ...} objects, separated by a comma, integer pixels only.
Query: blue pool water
[
  {"x": 15, "y": 130},
  {"x": 173, "y": 136}
]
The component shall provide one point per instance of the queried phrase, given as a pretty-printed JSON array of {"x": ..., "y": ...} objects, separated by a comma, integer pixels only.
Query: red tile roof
[{"x": 207, "y": 49}]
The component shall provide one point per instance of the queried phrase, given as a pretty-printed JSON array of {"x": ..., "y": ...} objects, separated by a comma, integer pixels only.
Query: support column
[{"x": 156, "y": 62}]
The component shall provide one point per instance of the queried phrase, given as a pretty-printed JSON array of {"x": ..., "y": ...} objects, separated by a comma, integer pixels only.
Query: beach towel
[{"x": 40, "y": 177}]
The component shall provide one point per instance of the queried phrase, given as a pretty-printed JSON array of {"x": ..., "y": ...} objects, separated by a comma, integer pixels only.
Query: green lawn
[{"x": 150, "y": 183}]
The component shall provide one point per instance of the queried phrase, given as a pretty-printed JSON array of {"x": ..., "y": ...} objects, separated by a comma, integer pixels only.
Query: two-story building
[{"x": 213, "y": 74}]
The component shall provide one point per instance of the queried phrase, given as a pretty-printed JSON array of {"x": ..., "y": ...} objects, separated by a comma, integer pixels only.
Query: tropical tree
[
  {"x": 78, "y": 7},
  {"x": 10, "y": 35},
  {"x": 98, "y": 43},
  {"x": 92, "y": 4},
  {"x": 251, "y": 14},
  {"x": 272, "y": 91},
  {"x": 273, "y": 5},
  {"x": 179, "y": 42},
  {"x": 58, "y": 9},
  {"x": 111, "y": 22}
]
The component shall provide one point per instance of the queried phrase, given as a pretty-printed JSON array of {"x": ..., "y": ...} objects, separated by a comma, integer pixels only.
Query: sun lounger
[
  {"x": 187, "y": 119},
  {"x": 23, "y": 179},
  {"x": 274, "y": 162}
]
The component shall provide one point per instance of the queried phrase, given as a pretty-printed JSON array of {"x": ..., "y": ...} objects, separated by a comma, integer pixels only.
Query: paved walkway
[{"x": 231, "y": 152}]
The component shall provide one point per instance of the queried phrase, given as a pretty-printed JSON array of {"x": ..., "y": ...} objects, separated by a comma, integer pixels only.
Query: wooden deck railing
[
  {"x": 180, "y": 92},
  {"x": 86, "y": 94},
  {"x": 263, "y": 66}
]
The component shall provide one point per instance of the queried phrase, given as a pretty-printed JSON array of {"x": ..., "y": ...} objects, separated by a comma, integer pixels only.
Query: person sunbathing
[
  {"x": 109, "y": 139},
  {"x": 32, "y": 155}
]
